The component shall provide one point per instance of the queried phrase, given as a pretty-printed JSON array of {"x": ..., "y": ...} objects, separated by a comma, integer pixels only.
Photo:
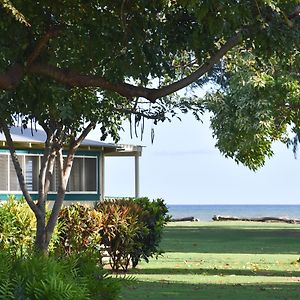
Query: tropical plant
[
  {"x": 17, "y": 227},
  {"x": 120, "y": 227},
  {"x": 132, "y": 229},
  {"x": 154, "y": 216},
  {"x": 79, "y": 229},
  {"x": 72, "y": 278}
]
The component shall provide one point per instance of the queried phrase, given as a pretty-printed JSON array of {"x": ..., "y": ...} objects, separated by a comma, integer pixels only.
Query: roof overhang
[{"x": 35, "y": 139}]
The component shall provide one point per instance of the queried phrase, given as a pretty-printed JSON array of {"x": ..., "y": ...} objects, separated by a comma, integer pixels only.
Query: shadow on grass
[
  {"x": 220, "y": 272},
  {"x": 178, "y": 291},
  {"x": 230, "y": 239}
]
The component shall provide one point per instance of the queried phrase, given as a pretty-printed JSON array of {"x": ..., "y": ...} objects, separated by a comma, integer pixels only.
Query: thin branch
[
  {"x": 64, "y": 167},
  {"x": 49, "y": 171},
  {"x": 44, "y": 163},
  {"x": 83, "y": 135},
  {"x": 138, "y": 113}
]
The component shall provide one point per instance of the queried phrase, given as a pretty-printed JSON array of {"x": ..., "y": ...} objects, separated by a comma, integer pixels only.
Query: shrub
[
  {"x": 79, "y": 229},
  {"x": 132, "y": 229},
  {"x": 154, "y": 216},
  {"x": 17, "y": 227},
  {"x": 120, "y": 227},
  {"x": 39, "y": 278}
]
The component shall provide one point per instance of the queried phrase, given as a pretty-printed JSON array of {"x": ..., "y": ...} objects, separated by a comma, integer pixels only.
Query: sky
[{"x": 183, "y": 166}]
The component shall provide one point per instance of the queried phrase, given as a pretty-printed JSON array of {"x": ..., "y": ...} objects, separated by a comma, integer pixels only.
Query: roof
[{"x": 27, "y": 138}]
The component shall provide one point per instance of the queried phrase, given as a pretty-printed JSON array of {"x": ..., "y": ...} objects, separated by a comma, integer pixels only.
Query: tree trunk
[{"x": 41, "y": 240}]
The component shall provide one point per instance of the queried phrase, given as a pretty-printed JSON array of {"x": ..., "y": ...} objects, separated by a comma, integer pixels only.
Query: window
[
  {"x": 13, "y": 179},
  {"x": 83, "y": 177},
  {"x": 3, "y": 172},
  {"x": 32, "y": 172}
]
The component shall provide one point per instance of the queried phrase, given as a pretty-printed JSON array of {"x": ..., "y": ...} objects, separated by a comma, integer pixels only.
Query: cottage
[{"x": 87, "y": 179}]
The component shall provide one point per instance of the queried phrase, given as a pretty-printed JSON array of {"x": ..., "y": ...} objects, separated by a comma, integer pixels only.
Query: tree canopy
[
  {"x": 121, "y": 46},
  {"x": 258, "y": 106}
]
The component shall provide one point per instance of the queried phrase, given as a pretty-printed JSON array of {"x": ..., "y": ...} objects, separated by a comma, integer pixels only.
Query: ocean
[{"x": 206, "y": 212}]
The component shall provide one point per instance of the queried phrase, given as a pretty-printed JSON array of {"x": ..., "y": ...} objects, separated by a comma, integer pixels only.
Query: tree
[
  {"x": 258, "y": 105},
  {"x": 71, "y": 63}
]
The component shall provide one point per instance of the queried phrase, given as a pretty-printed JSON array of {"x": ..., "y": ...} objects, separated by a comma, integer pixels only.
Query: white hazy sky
[{"x": 182, "y": 166}]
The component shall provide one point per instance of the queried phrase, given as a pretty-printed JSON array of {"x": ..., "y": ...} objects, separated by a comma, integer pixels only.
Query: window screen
[
  {"x": 4, "y": 172},
  {"x": 83, "y": 175},
  {"x": 32, "y": 172},
  {"x": 13, "y": 180},
  {"x": 90, "y": 174},
  {"x": 54, "y": 179}
]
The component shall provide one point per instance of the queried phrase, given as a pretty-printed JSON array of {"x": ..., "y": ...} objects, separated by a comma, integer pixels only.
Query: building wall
[{"x": 82, "y": 196}]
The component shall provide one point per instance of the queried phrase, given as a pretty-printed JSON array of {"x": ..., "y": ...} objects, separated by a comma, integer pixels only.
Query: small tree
[{"x": 66, "y": 116}]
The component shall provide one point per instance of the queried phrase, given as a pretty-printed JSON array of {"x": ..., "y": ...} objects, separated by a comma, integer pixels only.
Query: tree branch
[
  {"x": 59, "y": 196},
  {"x": 75, "y": 79},
  {"x": 41, "y": 45},
  {"x": 13, "y": 76},
  {"x": 11, "y": 79},
  {"x": 18, "y": 169},
  {"x": 83, "y": 135}
]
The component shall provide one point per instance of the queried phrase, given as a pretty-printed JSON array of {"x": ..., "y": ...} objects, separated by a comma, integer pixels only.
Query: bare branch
[
  {"x": 64, "y": 167},
  {"x": 83, "y": 135}
]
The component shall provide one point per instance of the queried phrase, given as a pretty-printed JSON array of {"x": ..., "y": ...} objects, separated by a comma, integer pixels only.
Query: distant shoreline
[{"x": 204, "y": 212}]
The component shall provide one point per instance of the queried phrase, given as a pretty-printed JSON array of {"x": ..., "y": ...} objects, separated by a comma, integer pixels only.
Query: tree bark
[
  {"x": 41, "y": 240},
  {"x": 63, "y": 178}
]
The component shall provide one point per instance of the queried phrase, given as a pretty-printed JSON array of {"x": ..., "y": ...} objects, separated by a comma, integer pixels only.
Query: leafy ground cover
[{"x": 226, "y": 260}]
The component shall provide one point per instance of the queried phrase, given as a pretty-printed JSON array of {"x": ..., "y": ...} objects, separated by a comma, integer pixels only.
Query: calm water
[{"x": 206, "y": 212}]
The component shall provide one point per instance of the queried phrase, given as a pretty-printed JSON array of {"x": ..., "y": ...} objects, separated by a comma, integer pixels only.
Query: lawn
[{"x": 222, "y": 260}]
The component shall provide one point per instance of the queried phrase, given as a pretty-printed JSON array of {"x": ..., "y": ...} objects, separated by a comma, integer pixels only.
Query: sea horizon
[{"x": 205, "y": 212}]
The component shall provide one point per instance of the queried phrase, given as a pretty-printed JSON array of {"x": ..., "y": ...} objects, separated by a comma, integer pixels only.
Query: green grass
[{"x": 225, "y": 260}]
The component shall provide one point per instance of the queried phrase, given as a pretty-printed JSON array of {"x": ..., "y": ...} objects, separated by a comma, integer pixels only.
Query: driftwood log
[
  {"x": 184, "y": 219},
  {"x": 262, "y": 219}
]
